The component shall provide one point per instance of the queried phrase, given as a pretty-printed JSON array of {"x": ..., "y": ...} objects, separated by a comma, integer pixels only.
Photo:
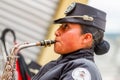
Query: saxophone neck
[{"x": 40, "y": 43}]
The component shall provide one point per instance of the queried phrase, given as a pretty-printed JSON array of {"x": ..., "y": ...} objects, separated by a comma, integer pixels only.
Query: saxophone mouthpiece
[{"x": 47, "y": 42}]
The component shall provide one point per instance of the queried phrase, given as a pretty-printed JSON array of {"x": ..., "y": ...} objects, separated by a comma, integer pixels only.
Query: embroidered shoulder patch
[{"x": 81, "y": 74}]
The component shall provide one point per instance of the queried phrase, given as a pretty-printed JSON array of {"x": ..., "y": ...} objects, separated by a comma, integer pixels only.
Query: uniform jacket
[{"x": 70, "y": 67}]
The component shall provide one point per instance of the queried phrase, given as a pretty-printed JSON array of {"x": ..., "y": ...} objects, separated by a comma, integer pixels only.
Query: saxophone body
[{"x": 9, "y": 72}]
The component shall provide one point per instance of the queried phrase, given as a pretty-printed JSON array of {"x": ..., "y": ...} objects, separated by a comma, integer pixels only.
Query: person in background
[{"x": 79, "y": 37}]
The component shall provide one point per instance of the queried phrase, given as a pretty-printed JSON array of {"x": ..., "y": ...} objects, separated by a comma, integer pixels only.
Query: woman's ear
[{"x": 87, "y": 39}]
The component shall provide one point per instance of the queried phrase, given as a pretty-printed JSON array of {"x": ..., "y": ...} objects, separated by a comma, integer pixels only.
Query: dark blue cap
[{"x": 84, "y": 14}]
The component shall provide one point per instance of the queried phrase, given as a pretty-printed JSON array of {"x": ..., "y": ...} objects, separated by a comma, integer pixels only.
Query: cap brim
[
  {"x": 66, "y": 20},
  {"x": 72, "y": 20},
  {"x": 78, "y": 21}
]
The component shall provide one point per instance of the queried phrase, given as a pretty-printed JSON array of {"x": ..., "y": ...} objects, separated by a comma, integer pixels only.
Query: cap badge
[
  {"x": 88, "y": 18},
  {"x": 81, "y": 74},
  {"x": 70, "y": 8}
]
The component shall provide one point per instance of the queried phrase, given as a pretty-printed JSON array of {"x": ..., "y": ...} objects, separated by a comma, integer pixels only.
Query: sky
[{"x": 112, "y": 8}]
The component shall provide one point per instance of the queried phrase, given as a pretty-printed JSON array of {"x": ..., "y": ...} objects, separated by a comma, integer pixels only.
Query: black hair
[{"x": 99, "y": 45}]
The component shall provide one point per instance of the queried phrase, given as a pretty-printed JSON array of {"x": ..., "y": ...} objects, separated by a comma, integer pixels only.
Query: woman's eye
[{"x": 65, "y": 26}]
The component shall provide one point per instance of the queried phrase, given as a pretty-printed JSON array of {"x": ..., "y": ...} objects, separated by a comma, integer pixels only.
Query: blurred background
[{"x": 32, "y": 21}]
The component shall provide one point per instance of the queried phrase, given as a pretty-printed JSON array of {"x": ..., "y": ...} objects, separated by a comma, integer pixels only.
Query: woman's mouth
[{"x": 56, "y": 41}]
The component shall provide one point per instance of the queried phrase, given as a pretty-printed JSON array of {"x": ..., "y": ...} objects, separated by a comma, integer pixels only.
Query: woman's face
[{"x": 68, "y": 38}]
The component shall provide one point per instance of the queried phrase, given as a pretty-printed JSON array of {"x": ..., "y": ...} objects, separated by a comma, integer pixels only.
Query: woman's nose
[{"x": 57, "y": 33}]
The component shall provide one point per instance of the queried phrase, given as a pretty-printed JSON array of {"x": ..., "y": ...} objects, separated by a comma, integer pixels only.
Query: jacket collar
[{"x": 82, "y": 53}]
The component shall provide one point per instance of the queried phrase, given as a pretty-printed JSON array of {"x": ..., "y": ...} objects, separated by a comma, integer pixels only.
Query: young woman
[{"x": 77, "y": 39}]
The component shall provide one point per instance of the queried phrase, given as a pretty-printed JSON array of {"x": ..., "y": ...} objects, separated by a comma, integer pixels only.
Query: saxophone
[{"x": 9, "y": 72}]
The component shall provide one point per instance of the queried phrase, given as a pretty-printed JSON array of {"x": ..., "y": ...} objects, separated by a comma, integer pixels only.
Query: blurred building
[{"x": 30, "y": 19}]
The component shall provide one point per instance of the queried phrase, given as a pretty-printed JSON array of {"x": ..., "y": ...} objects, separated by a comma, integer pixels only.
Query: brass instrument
[{"x": 9, "y": 72}]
